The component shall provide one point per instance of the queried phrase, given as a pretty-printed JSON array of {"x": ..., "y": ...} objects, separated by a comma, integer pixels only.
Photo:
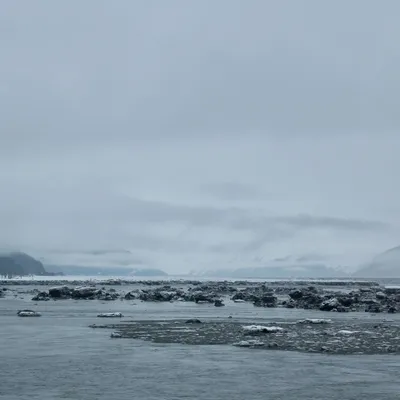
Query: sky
[{"x": 199, "y": 135}]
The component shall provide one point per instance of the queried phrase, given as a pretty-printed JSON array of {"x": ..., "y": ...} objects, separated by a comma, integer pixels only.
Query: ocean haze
[{"x": 199, "y": 135}]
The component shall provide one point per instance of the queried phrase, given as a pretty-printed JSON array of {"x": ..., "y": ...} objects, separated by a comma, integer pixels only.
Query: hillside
[
  {"x": 20, "y": 264},
  {"x": 384, "y": 265}
]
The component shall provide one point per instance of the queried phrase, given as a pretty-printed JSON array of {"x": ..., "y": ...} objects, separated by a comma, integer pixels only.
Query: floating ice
[
  {"x": 249, "y": 343},
  {"x": 28, "y": 313},
  {"x": 115, "y": 335},
  {"x": 347, "y": 332},
  {"x": 261, "y": 328}
]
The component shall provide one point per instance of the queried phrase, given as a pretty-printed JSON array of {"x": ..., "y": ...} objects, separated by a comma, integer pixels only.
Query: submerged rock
[{"x": 110, "y": 315}]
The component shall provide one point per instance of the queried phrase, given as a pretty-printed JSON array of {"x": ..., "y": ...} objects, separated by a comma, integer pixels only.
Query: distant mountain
[
  {"x": 148, "y": 272},
  {"x": 20, "y": 264},
  {"x": 88, "y": 271},
  {"x": 104, "y": 271},
  {"x": 384, "y": 265},
  {"x": 280, "y": 272}
]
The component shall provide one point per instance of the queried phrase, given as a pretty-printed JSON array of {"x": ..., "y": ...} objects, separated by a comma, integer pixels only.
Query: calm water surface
[{"x": 57, "y": 356}]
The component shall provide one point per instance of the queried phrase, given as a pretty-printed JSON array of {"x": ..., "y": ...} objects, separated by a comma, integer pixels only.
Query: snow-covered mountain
[{"x": 384, "y": 265}]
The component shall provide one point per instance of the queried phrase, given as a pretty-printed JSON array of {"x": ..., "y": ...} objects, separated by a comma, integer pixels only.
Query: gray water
[{"x": 57, "y": 356}]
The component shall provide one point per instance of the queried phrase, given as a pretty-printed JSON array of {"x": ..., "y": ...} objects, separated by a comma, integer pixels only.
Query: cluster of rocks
[
  {"x": 220, "y": 285},
  {"x": 318, "y": 336},
  {"x": 167, "y": 293},
  {"x": 371, "y": 298},
  {"x": 78, "y": 293},
  {"x": 363, "y": 299}
]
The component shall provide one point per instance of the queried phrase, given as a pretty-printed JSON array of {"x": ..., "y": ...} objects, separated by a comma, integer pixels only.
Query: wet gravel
[{"x": 302, "y": 336}]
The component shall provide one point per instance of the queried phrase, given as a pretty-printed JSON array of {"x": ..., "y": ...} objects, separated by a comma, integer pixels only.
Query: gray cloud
[
  {"x": 192, "y": 134},
  {"x": 232, "y": 191}
]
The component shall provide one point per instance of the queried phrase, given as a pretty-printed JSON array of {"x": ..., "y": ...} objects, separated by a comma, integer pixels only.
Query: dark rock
[
  {"x": 390, "y": 291},
  {"x": 193, "y": 321},
  {"x": 290, "y": 304},
  {"x": 380, "y": 295},
  {"x": 218, "y": 303},
  {"x": 329, "y": 304},
  {"x": 239, "y": 296},
  {"x": 296, "y": 294},
  {"x": 346, "y": 301},
  {"x": 159, "y": 295},
  {"x": 41, "y": 296},
  {"x": 60, "y": 292},
  {"x": 130, "y": 296},
  {"x": 374, "y": 308},
  {"x": 268, "y": 300},
  {"x": 203, "y": 298},
  {"x": 84, "y": 292}
]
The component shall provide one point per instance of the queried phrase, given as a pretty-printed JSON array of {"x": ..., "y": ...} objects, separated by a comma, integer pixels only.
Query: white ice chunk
[
  {"x": 110, "y": 315},
  {"x": 28, "y": 313},
  {"x": 248, "y": 343},
  {"x": 347, "y": 332},
  {"x": 261, "y": 328}
]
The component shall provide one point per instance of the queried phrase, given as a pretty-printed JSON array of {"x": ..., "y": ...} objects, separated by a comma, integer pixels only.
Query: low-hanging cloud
[{"x": 195, "y": 134}]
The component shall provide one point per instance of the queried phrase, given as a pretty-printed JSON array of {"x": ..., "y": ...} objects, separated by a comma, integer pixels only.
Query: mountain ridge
[{"x": 20, "y": 264}]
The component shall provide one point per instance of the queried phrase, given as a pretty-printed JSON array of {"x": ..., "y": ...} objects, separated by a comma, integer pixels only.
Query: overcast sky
[{"x": 199, "y": 134}]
